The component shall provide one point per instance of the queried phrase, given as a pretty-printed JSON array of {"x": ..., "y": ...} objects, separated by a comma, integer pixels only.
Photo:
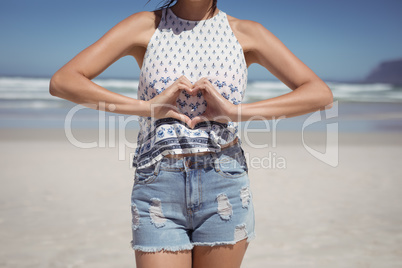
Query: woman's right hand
[{"x": 163, "y": 105}]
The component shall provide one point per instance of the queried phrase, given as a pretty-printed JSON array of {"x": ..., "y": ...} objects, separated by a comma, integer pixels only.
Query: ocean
[{"x": 26, "y": 103}]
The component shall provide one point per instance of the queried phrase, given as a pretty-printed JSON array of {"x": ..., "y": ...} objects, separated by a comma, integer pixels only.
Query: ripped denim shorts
[{"x": 179, "y": 203}]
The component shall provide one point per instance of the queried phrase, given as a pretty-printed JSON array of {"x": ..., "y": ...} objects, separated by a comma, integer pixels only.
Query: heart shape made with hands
[{"x": 217, "y": 109}]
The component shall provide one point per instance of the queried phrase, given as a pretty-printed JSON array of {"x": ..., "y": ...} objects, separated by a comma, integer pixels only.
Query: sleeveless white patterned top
[{"x": 195, "y": 49}]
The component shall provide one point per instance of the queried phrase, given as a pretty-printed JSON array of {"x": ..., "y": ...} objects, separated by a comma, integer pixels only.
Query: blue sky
[{"x": 341, "y": 40}]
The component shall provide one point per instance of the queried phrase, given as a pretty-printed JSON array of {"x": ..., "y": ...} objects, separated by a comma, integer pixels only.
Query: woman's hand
[
  {"x": 163, "y": 105},
  {"x": 218, "y": 108}
]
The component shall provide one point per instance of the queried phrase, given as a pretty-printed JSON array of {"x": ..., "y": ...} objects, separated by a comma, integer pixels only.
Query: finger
[
  {"x": 185, "y": 80},
  {"x": 183, "y": 84},
  {"x": 182, "y": 117},
  {"x": 205, "y": 86},
  {"x": 177, "y": 89},
  {"x": 203, "y": 80},
  {"x": 190, "y": 90},
  {"x": 200, "y": 88},
  {"x": 208, "y": 93},
  {"x": 198, "y": 119}
]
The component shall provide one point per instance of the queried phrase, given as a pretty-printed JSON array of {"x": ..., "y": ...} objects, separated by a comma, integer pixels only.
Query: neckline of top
[{"x": 194, "y": 21}]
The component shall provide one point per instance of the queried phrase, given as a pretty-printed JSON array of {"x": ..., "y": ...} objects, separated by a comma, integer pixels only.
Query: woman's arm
[
  {"x": 73, "y": 81},
  {"x": 309, "y": 93}
]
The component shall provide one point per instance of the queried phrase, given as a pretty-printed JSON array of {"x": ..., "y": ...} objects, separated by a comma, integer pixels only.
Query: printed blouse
[{"x": 195, "y": 49}]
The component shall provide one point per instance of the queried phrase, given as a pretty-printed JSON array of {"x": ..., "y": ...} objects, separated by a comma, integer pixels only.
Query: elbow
[
  {"x": 54, "y": 84},
  {"x": 325, "y": 98},
  {"x": 328, "y": 100},
  {"x": 60, "y": 83}
]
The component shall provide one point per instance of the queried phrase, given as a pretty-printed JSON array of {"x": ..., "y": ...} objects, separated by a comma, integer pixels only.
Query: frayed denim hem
[
  {"x": 212, "y": 244},
  {"x": 251, "y": 236},
  {"x": 166, "y": 248},
  {"x": 190, "y": 246}
]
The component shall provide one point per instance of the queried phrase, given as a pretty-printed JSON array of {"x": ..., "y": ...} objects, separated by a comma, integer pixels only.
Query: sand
[{"x": 64, "y": 206}]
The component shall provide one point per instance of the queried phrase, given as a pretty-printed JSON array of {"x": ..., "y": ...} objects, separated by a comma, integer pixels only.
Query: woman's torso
[{"x": 195, "y": 49}]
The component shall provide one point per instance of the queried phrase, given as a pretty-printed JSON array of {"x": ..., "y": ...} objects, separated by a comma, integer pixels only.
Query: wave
[
  {"x": 380, "y": 92},
  {"x": 34, "y": 92}
]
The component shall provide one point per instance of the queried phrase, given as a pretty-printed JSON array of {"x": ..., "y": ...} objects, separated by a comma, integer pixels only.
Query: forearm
[
  {"x": 309, "y": 97},
  {"x": 81, "y": 90}
]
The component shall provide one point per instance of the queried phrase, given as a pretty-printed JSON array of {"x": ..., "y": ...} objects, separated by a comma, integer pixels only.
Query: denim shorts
[{"x": 178, "y": 203}]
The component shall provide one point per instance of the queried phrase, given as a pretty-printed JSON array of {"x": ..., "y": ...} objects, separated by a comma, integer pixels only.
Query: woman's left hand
[{"x": 218, "y": 108}]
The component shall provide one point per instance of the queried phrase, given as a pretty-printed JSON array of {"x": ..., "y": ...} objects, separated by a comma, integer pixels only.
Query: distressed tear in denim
[{"x": 198, "y": 200}]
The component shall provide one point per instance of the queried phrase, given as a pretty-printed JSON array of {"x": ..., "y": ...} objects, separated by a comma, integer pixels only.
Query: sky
[{"x": 339, "y": 40}]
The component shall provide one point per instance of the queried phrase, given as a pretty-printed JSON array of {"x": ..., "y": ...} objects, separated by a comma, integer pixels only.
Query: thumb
[
  {"x": 198, "y": 119},
  {"x": 182, "y": 117}
]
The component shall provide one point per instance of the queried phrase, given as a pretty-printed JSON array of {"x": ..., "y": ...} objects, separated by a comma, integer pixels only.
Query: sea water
[{"x": 26, "y": 102}]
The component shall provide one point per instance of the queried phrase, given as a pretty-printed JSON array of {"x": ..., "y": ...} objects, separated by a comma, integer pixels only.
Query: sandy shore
[{"x": 65, "y": 206}]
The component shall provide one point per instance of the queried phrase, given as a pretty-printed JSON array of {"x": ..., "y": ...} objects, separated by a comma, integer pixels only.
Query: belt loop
[
  {"x": 186, "y": 163},
  {"x": 244, "y": 159},
  {"x": 157, "y": 167},
  {"x": 185, "y": 160}
]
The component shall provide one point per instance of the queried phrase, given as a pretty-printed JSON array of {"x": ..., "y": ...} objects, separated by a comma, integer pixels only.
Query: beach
[
  {"x": 326, "y": 186},
  {"x": 65, "y": 200}
]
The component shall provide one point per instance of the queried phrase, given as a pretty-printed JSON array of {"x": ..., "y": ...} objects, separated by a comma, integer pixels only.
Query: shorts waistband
[
  {"x": 212, "y": 159},
  {"x": 181, "y": 156}
]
